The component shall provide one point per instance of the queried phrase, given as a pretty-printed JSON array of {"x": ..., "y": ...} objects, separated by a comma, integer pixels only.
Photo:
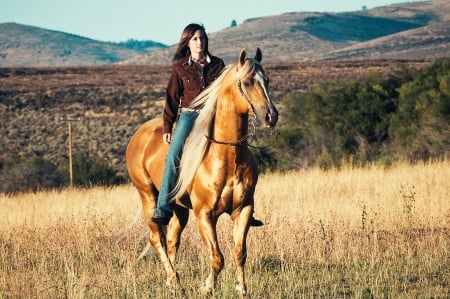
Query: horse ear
[
  {"x": 258, "y": 55},
  {"x": 242, "y": 57}
]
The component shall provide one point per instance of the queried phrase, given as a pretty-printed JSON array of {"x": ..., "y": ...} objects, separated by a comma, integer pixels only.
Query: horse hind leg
[{"x": 174, "y": 231}]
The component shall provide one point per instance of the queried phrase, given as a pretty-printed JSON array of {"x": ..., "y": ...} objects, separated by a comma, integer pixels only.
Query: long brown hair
[{"x": 188, "y": 32}]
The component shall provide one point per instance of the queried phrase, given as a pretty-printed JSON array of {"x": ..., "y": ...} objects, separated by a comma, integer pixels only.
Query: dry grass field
[{"x": 365, "y": 232}]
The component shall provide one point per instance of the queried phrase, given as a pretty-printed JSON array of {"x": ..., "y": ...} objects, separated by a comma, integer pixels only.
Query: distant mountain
[
  {"x": 399, "y": 31},
  {"x": 25, "y": 46}
]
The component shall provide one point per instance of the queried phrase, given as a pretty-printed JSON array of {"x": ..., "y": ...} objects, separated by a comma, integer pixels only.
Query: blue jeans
[{"x": 184, "y": 125}]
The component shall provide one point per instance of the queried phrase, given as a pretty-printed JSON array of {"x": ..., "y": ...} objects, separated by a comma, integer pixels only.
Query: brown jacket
[{"x": 185, "y": 83}]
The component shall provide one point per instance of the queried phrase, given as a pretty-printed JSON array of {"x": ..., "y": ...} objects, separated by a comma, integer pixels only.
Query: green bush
[
  {"x": 404, "y": 115},
  {"x": 265, "y": 158},
  {"x": 30, "y": 175},
  {"x": 93, "y": 171},
  {"x": 420, "y": 129},
  {"x": 25, "y": 175}
]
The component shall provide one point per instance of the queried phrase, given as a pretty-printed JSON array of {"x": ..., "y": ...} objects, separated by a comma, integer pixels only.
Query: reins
[
  {"x": 239, "y": 143},
  {"x": 242, "y": 141}
]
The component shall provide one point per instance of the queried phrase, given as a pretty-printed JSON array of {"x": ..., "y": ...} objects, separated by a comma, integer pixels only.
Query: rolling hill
[
  {"x": 28, "y": 46},
  {"x": 400, "y": 31}
]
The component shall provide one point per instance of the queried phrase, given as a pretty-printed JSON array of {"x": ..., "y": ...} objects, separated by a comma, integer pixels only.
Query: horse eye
[{"x": 247, "y": 83}]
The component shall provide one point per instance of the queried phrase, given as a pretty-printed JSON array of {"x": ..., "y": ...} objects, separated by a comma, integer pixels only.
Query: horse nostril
[{"x": 272, "y": 117}]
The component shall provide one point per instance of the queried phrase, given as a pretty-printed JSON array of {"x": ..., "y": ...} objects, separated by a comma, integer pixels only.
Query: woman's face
[{"x": 197, "y": 43}]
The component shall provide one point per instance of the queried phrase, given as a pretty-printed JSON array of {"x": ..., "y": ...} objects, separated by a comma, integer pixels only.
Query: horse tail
[{"x": 144, "y": 231}]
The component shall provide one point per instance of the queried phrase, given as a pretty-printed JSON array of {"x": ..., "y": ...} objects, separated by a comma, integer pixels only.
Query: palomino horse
[{"x": 218, "y": 173}]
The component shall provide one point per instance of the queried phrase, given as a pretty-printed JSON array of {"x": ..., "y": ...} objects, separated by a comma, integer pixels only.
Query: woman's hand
[{"x": 167, "y": 137}]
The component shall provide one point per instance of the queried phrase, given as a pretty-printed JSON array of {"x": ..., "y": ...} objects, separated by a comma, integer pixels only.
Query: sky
[{"x": 158, "y": 20}]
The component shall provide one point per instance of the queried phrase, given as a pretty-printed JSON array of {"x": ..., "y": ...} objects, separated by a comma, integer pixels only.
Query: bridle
[
  {"x": 243, "y": 140},
  {"x": 239, "y": 84}
]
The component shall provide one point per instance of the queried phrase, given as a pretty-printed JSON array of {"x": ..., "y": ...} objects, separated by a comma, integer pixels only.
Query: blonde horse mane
[{"x": 196, "y": 143}]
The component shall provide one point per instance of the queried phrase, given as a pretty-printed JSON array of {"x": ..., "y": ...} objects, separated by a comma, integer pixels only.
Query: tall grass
[{"x": 351, "y": 233}]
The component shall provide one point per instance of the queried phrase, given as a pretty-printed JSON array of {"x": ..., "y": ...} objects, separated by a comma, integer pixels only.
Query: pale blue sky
[{"x": 158, "y": 20}]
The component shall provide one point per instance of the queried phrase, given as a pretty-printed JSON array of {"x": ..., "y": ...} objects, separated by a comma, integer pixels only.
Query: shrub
[
  {"x": 403, "y": 116},
  {"x": 24, "y": 175},
  {"x": 93, "y": 171}
]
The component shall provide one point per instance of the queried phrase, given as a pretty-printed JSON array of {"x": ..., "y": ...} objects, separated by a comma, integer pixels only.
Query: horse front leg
[
  {"x": 240, "y": 231},
  {"x": 207, "y": 228}
]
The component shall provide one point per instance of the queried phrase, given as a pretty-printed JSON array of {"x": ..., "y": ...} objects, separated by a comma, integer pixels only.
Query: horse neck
[{"x": 229, "y": 126}]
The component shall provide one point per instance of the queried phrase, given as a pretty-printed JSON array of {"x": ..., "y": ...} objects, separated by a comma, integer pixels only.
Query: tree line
[{"x": 31, "y": 175}]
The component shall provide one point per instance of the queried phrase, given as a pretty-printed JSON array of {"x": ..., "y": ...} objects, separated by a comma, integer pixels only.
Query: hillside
[
  {"x": 401, "y": 31},
  {"x": 406, "y": 30},
  {"x": 428, "y": 41},
  {"x": 26, "y": 46}
]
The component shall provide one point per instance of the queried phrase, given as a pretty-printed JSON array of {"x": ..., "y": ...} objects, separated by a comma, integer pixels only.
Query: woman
[{"x": 193, "y": 69}]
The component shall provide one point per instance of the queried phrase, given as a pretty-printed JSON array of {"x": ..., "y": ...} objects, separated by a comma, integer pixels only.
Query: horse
[{"x": 218, "y": 173}]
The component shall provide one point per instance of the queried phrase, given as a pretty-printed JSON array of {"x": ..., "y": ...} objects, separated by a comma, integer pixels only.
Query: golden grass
[{"x": 352, "y": 233}]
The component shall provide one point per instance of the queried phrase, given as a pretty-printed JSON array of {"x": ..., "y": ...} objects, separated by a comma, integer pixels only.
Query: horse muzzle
[{"x": 268, "y": 116}]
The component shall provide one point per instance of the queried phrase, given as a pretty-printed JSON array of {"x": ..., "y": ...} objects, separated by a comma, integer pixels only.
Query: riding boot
[{"x": 255, "y": 222}]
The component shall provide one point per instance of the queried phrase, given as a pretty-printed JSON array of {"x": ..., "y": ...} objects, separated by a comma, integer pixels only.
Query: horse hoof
[
  {"x": 242, "y": 291},
  {"x": 205, "y": 291}
]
